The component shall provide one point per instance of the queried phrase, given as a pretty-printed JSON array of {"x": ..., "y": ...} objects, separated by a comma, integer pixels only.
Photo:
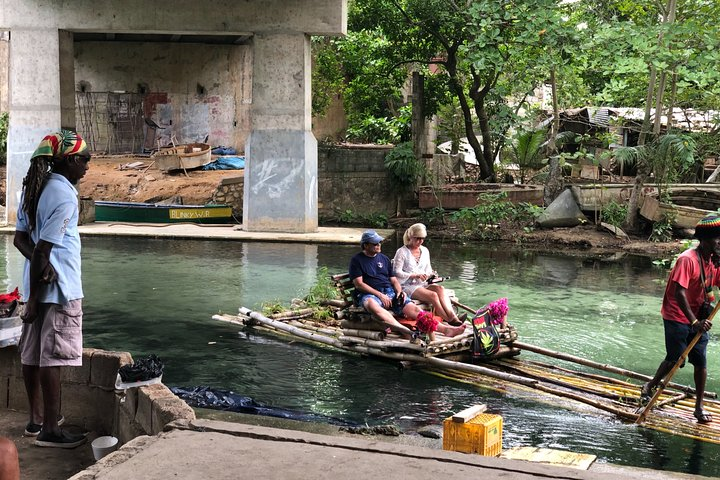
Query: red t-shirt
[{"x": 686, "y": 273}]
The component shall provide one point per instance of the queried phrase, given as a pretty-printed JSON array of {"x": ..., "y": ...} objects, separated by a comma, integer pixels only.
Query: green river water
[{"x": 157, "y": 296}]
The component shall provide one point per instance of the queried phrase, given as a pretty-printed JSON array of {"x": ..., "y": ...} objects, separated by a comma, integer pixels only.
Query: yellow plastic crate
[{"x": 482, "y": 435}]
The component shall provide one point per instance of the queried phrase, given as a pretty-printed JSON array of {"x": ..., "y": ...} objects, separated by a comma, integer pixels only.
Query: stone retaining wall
[
  {"x": 89, "y": 398},
  {"x": 345, "y": 175}
]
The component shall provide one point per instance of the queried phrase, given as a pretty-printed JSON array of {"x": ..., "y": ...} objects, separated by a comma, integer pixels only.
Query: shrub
[
  {"x": 4, "y": 117},
  {"x": 614, "y": 213}
]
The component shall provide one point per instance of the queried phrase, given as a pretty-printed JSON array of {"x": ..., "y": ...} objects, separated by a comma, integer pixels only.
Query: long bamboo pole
[
  {"x": 458, "y": 304},
  {"x": 292, "y": 314},
  {"x": 664, "y": 382},
  {"x": 599, "y": 366},
  {"x": 290, "y": 329}
]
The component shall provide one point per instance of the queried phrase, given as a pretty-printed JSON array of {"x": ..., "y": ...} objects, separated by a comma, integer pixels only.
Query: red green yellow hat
[
  {"x": 60, "y": 144},
  {"x": 708, "y": 227}
]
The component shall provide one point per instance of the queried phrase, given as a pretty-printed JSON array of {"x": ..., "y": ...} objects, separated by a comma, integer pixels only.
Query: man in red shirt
[{"x": 689, "y": 286}]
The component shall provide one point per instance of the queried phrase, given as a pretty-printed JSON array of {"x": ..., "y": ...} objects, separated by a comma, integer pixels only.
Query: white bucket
[{"x": 103, "y": 446}]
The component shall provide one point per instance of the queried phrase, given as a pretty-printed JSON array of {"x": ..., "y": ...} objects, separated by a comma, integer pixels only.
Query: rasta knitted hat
[
  {"x": 60, "y": 144},
  {"x": 708, "y": 227}
]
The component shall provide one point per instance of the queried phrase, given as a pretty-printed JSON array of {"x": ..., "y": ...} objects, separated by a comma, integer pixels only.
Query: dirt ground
[{"x": 109, "y": 179}]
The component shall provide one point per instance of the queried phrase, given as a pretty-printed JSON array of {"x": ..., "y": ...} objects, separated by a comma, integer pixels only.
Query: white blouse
[{"x": 405, "y": 264}]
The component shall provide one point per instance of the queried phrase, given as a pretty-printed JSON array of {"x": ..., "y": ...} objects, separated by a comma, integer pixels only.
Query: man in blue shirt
[
  {"x": 47, "y": 235},
  {"x": 376, "y": 288}
]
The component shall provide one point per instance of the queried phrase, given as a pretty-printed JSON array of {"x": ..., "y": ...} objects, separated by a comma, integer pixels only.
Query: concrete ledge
[
  {"x": 104, "y": 367},
  {"x": 147, "y": 399}
]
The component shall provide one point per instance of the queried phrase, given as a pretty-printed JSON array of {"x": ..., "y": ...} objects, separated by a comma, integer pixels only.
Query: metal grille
[{"x": 111, "y": 122}]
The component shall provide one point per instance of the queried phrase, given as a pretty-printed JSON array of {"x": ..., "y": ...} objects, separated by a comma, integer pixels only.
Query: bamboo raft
[{"x": 619, "y": 396}]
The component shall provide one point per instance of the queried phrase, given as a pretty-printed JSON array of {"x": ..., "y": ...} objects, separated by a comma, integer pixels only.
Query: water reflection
[{"x": 157, "y": 296}]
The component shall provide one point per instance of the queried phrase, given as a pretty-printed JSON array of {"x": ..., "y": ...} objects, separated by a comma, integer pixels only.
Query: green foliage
[
  {"x": 327, "y": 74},
  {"x": 527, "y": 149},
  {"x": 271, "y": 308},
  {"x": 706, "y": 145},
  {"x": 525, "y": 212},
  {"x": 381, "y": 130},
  {"x": 4, "y": 118},
  {"x": 490, "y": 210},
  {"x": 450, "y": 124},
  {"x": 404, "y": 169},
  {"x": 324, "y": 289},
  {"x": 433, "y": 216},
  {"x": 373, "y": 219},
  {"x": 662, "y": 230},
  {"x": 614, "y": 213},
  {"x": 669, "y": 157}
]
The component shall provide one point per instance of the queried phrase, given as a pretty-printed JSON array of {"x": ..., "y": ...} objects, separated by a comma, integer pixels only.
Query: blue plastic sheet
[
  {"x": 214, "y": 398},
  {"x": 226, "y": 163},
  {"x": 223, "y": 150}
]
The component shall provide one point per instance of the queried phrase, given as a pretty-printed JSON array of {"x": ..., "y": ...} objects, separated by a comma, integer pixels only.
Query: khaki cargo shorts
[{"x": 54, "y": 339}]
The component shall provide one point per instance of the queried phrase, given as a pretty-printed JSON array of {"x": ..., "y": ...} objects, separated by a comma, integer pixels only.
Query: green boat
[{"x": 132, "y": 212}]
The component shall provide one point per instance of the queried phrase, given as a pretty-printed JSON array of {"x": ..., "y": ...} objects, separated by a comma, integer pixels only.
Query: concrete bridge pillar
[
  {"x": 41, "y": 98},
  {"x": 281, "y": 169}
]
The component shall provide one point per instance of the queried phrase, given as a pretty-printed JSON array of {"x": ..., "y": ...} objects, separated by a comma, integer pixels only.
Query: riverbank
[{"x": 105, "y": 180}]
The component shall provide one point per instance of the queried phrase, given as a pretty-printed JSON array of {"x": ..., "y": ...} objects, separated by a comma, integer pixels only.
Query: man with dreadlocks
[{"x": 47, "y": 235}]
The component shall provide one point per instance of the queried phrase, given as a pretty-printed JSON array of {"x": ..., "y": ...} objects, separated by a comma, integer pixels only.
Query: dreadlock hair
[{"x": 33, "y": 185}]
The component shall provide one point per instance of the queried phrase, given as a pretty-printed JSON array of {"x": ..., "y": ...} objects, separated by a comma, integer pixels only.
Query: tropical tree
[{"x": 526, "y": 150}]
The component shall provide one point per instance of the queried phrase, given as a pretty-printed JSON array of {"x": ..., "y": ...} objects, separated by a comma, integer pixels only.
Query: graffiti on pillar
[
  {"x": 276, "y": 176},
  {"x": 313, "y": 192}
]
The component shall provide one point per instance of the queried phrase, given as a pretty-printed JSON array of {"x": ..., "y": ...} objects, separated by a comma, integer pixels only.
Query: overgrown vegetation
[
  {"x": 483, "y": 219},
  {"x": 662, "y": 230},
  {"x": 404, "y": 170},
  {"x": 614, "y": 213},
  {"x": 324, "y": 289},
  {"x": 272, "y": 307},
  {"x": 372, "y": 219},
  {"x": 433, "y": 216},
  {"x": 4, "y": 118}
]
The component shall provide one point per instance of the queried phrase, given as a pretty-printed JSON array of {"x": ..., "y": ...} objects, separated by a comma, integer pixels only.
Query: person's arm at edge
[
  {"x": 38, "y": 265},
  {"x": 24, "y": 244},
  {"x": 399, "y": 265},
  {"x": 681, "y": 298},
  {"x": 364, "y": 287}
]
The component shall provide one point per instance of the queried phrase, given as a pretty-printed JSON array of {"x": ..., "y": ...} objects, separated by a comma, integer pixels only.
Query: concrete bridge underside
[{"x": 281, "y": 151}]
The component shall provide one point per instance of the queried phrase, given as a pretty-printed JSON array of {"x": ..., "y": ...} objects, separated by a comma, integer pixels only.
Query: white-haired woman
[{"x": 412, "y": 268}]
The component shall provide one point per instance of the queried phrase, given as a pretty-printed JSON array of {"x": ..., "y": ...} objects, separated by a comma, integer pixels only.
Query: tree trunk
[
  {"x": 457, "y": 89},
  {"x": 659, "y": 103},
  {"x": 489, "y": 171},
  {"x": 554, "y": 184},
  {"x": 418, "y": 116},
  {"x": 632, "y": 219}
]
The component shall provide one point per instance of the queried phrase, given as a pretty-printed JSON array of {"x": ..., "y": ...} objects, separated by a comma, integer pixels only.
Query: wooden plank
[
  {"x": 469, "y": 413},
  {"x": 580, "y": 461}
]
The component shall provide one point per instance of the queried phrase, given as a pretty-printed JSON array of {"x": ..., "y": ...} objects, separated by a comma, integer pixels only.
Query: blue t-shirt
[
  {"x": 375, "y": 271},
  {"x": 56, "y": 222}
]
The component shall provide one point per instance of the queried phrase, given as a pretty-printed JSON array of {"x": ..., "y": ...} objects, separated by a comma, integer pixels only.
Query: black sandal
[
  {"x": 646, "y": 394},
  {"x": 460, "y": 320},
  {"x": 703, "y": 416}
]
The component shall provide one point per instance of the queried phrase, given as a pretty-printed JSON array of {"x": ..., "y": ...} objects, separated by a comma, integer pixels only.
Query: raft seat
[{"x": 346, "y": 288}]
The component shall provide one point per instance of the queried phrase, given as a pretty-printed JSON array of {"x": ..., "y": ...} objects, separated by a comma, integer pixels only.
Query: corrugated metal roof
[{"x": 686, "y": 119}]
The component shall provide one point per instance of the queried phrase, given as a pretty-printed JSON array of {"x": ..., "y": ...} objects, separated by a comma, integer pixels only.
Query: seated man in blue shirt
[{"x": 376, "y": 288}]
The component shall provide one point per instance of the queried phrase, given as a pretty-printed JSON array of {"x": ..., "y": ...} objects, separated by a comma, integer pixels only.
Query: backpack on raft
[{"x": 486, "y": 340}]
